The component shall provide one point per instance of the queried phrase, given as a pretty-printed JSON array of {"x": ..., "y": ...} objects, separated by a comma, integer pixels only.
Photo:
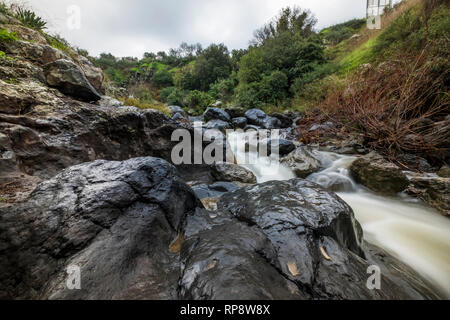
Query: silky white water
[{"x": 411, "y": 231}]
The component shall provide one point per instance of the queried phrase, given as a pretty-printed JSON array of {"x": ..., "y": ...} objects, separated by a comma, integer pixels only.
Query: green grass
[
  {"x": 133, "y": 102},
  {"x": 6, "y": 36},
  {"x": 356, "y": 58},
  {"x": 2, "y": 199}
]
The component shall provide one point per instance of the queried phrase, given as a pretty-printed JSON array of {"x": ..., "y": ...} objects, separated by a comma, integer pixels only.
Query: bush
[
  {"x": 4, "y": 8},
  {"x": 133, "y": 102},
  {"x": 388, "y": 105},
  {"x": 6, "y": 36},
  {"x": 340, "y": 32},
  {"x": 165, "y": 93},
  {"x": 30, "y": 19},
  {"x": 223, "y": 89},
  {"x": 248, "y": 95},
  {"x": 176, "y": 98},
  {"x": 162, "y": 79},
  {"x": 198, "y": 100}
]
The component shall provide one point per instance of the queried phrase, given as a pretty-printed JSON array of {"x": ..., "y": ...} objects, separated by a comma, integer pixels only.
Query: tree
[
  {"x": 162, "y": 79},
  {"x": 213, "y": 64},
  {"x": 292, "y": 20}
]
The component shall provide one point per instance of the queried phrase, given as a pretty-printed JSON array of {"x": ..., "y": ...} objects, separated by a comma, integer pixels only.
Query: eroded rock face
[
  {"x": 52, "y": 138},
  {"x": 302, "y": 162},
  {"x": 115, "y": 220},
  {"x": 378, "y": 174},
  {"x": 70, "y": 80},
  {"x": 229, "y": 172}
]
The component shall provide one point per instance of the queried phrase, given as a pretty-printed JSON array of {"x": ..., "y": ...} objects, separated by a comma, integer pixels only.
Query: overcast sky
[{"x": 132, "y": 27}]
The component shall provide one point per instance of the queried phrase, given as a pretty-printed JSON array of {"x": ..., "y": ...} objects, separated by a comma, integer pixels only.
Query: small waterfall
[
  {"x": 409, "y": 230},
  {"x": 264, "y": 168}
]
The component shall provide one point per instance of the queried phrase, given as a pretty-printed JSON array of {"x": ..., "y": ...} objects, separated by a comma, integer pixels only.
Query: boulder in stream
[
  {"x": 301, "y": 161},
  {"x": 232, "y": 173},
  {"x": 378, "y": 174}
]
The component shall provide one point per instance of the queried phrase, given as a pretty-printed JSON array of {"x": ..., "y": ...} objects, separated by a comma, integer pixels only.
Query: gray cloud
[{"x": 132, "y": 27}]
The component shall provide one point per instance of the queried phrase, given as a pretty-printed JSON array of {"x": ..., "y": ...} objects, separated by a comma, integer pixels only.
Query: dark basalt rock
[
  {"x": 284, "y": 146},
  {"x": 298, "y": 243},
  {"x": 214, "y": 190},
  {"x": 68, "y": 78},
  {"x": 285, "y": 120},
  {"x": 261, "y": 119},
  {"x": 379, "y": 175},
  {"x": 218, "y": 125},
  {"x": 216, "y": 114},
  {"x": 116, "y": 220},
  {"x": 239, "y": 123},
  {"x": 137, "y": 231},
  {"x": 66, "y": 135}
]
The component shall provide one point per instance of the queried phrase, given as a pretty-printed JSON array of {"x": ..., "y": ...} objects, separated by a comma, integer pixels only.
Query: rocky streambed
[
  {"x": 86, "y": 182},
  {"x": 138, "y": 229}
]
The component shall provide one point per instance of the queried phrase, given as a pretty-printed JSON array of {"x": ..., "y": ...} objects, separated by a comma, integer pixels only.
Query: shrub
[
  {"x": 146, "y": 105},
  {"x": 162, "y": 79},
  {"x": 165, "y": 93},
  {"x": 248, "y": 95},
  {"x": 388, "y": 105},
  {"x": 223, "y": 89},
  {"x": 6, "y": 36},
  {"x": 176, "y": 98},
  {"x": 198, "y": 100},
  {"x": 30, "y": 19},
  {"x": 4, "y": 8}
]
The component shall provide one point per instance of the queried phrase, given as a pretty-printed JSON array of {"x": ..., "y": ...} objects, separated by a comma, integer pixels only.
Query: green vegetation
[
  {"x": 6, "y": 36},
  {"x": 2, "y": 199},
  {"x": 4, "y": 8},
  {"x": 288, "y": 64},
  {"x": 343, "y": 31},
  {"x": 30, "y": 19},
  {"x": 146, "y": 105}
]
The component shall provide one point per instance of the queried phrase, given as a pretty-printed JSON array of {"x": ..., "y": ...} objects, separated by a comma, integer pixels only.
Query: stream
[{"x": 406, "y": 228}]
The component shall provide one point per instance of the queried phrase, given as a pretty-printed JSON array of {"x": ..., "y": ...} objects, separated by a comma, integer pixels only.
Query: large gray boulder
[
  {"x": 285, "y": 240},
  {"x": 52, "y": 137},
  {"x": 114, "y": 220},
  {"x": 261, "y": 119},
  {"x": 229, "y": 172},
  {"x": 216, "y": 114},
  {"x": 135, "y": 230},
  {"x": 67, "y": 77},
  {"x": 301, "y": 161},
  {"x": 432, "y": 189},
  {"x": 379, "y": 175}
]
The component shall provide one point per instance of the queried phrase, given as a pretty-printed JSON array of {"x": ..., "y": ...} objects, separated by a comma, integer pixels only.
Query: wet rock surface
[
  {"x": 379, "y": 175},
  {"x": 52, "y": 137},
  {"x": 137, "y": 231},
  {"x": 115, "y": 220},
  {"x": 301, "y": 161},
  {"x": 232, "y": 172},
  {"x": 432, "y": 189},
  {"x": 259, "y": 118},
  {"x": 300, "y": 243},
  {"x": 216, "y": 114}
]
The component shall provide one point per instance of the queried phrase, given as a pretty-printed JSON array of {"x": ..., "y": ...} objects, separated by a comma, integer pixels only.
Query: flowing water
[{"x": 411, "y": 231}]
